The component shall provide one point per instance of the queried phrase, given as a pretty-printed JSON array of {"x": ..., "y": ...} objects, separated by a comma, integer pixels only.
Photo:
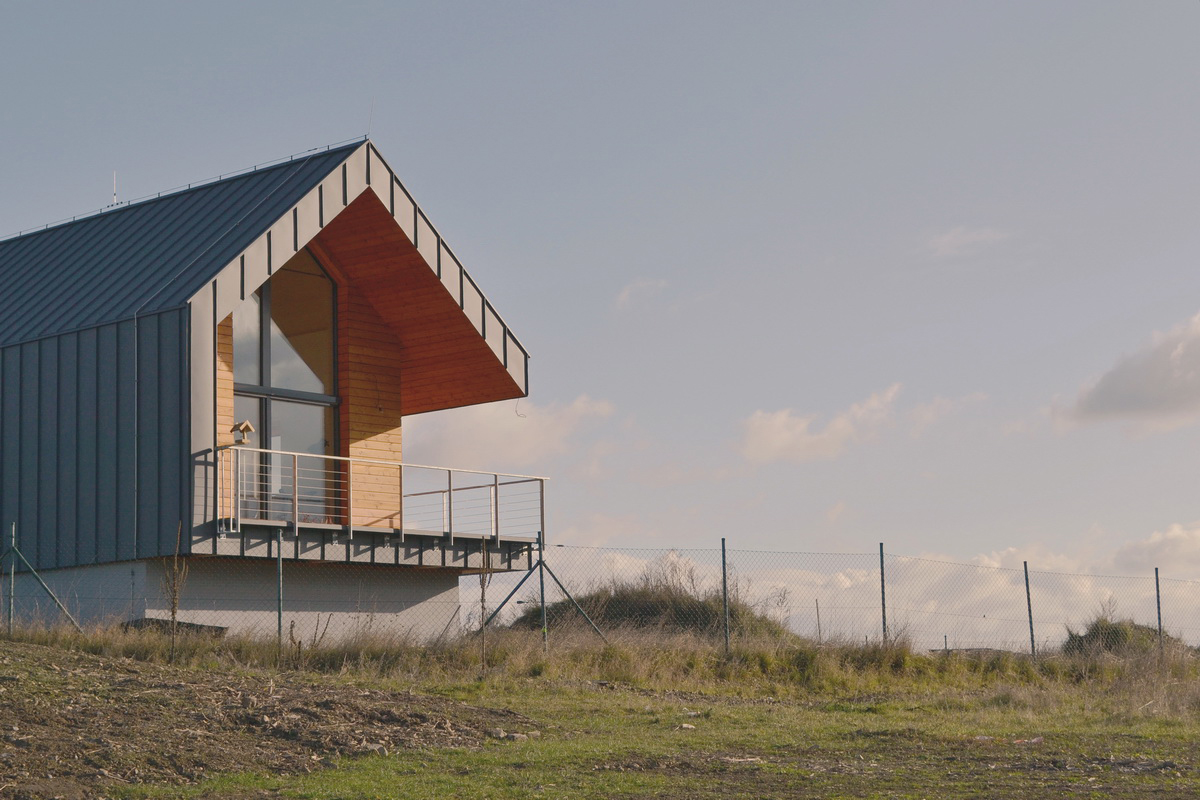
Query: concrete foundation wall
[
  {"x": 321, "y": 601},
  {"x": 104, "y": 594}
]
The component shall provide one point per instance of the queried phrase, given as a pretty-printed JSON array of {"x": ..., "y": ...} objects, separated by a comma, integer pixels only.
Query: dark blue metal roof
[{"x": 147, "y": 256}]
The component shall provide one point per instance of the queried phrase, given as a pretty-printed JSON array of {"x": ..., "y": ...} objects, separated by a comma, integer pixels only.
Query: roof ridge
[{"x": 173, "y": 192}]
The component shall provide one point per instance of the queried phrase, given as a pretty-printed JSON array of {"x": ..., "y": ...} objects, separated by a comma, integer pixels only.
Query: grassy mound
[
  {"x": 666, "y": 598},
  {"x": 631, "y": 606},
  {"x": 1107, "y": 635}
]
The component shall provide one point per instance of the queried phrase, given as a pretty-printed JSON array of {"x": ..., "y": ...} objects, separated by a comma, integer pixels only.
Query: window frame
[{"x": 264, "y": 392}]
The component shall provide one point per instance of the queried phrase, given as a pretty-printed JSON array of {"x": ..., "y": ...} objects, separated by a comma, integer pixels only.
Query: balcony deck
[{"x": 354, "y": 510}]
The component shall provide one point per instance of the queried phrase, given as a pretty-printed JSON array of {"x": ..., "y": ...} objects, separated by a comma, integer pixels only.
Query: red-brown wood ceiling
[{"x": 445, "y": 363}]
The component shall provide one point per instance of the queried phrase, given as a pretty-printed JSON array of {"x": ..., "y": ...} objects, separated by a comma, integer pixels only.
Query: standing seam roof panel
[
  {"x": 227, "y": 247},
  {"x": 191, "y": 235},
  {"x": 150, "y": 256},
  {"x": 101, "y": 286},
  {"x": 130, "y": 230}
]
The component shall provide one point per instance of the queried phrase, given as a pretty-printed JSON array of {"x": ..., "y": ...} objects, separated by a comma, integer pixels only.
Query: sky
[{"x": 807, "y": 276}]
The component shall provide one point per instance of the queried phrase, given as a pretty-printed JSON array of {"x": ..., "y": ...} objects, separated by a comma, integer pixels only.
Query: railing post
[
  {"x": 400, "y": 500},
  {"x": 220, "y": 498},
  {"x": 296, "y": 495},
  {"x": 233, "y": 462},
  {"x": 496, "y": 508},
  {"x": 449, "y": 506},
  {"x": 350, "y": 498},
  {"x": 239, "y": 490}
]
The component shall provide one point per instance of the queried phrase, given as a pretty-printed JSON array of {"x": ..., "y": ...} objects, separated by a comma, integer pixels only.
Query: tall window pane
[
  {"x": 302, "y": 327},
  {"x": 247, "y": 350},
  {"x": 302, "y": 428},
  {"x": 251, "y": 478}
]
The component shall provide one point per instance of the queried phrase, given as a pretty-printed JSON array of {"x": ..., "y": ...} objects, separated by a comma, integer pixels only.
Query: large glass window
[
  {"x": 285, "y": 385},
  {"x": 301, "y": 327},
  {"x": 287, "y": 327}
]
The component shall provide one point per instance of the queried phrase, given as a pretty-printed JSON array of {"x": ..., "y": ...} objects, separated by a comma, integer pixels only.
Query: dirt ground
[{"x": 72, "y": 724}]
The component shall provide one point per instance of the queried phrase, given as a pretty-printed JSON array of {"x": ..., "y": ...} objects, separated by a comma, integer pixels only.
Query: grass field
[
  {"x": 605, "y": 742},
  {"x": 647, "y": 716}
]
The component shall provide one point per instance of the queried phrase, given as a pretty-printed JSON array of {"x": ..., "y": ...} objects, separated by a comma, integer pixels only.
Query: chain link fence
[
  {"x": 867, "y": 597},
  {"x": 828, "y": 597}
]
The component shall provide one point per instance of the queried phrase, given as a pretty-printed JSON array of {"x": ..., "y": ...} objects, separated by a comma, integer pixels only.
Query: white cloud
[
  {"x": 503, "y": 436},
  {"x": 1177, "y": 549},
  {"x": 1157, "y": 387},
  {"x": 637, "y": 290},
  {"x": 782, "y": 436},
  {"x": 1039, "y": 556},
  {"x": 924, "y": 415},
  {"x": 963, "y": 241}
]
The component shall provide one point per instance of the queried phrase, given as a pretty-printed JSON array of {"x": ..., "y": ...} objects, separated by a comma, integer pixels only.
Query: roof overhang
[{"x": 456, "y": 349}]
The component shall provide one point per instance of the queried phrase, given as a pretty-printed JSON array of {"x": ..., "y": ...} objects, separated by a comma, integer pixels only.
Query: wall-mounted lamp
[{"x": 241, "y": 432}]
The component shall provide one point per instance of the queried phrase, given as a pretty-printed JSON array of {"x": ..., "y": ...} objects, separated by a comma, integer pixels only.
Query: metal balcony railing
[{"x": 313, "y": 491}]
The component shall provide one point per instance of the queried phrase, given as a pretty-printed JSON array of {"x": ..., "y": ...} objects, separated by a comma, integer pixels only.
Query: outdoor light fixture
[{"x": 241, "y": 432}]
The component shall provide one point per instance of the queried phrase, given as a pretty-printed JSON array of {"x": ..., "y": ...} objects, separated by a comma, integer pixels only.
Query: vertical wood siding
[
  {"x": 225, "y": 420},
  {"x": 369, "y": 356}
]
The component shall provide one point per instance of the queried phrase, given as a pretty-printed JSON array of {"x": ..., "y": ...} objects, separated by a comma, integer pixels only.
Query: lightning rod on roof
[{"x": 114, "y": 187}]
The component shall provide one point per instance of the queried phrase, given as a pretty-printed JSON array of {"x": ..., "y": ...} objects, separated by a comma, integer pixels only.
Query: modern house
[{"x": 224, "y": 371}]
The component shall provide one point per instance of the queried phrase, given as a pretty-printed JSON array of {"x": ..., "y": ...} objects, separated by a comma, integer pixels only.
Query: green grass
[
  {"x": 605, "y": 742},
  {"x": 776, "y": 717},
  {"x": 775, "y": 720}
]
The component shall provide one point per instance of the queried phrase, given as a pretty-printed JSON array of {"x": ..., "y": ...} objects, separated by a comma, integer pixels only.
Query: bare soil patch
[{"x": 73, "y": 725}]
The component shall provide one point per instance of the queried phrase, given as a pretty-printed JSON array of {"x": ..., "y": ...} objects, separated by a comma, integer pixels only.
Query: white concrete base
[{"x": 322, "y": 602}]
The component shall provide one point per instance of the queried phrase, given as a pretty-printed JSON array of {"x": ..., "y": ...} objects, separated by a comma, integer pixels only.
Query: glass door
[{"x": 285, "y": 386}]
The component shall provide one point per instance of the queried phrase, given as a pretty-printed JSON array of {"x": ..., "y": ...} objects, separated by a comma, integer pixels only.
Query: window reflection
[
  {"x": 302, "y": 327},
  {"x": 247, "y": 350},
  {"x": 251, "y": 477},
  {"x": 289, "y": 323}
]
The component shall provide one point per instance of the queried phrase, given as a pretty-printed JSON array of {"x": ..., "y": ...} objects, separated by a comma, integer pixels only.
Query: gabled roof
[
  {"x": 147, "y": 256},
  {"x": 215, "y": 244}
]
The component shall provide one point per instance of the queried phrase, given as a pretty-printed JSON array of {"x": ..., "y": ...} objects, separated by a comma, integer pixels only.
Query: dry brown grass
[{"x": 664, "y": 659}]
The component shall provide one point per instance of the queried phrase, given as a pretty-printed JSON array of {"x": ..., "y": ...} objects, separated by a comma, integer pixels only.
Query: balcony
[{"x": 347, "y": 497}]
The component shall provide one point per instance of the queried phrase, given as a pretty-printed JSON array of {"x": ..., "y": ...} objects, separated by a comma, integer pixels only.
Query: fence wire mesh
[{"x": 828, "y": 597}]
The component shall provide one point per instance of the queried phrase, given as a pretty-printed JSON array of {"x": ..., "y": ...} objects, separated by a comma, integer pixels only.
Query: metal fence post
[
  {"x": 279, "y": 591},
  {"x": 725, "y": 592},
  {"x": 12, "y": 577},
  {"x": 883, "y": 594},
  {"x": 542, "y": 584},
  {"x": 1158, "y": 606},
  {"x": 1029, "y": 608}
]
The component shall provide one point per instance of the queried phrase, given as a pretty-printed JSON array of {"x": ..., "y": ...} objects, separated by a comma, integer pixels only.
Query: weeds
[{"x": 656, "y": 660}]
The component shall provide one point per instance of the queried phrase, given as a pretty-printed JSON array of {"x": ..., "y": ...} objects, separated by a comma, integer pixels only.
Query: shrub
[{"x": 1106, "y": 635}]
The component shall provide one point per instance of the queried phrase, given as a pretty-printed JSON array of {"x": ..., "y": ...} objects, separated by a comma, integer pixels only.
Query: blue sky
[{"x": 807, "y": 276}]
